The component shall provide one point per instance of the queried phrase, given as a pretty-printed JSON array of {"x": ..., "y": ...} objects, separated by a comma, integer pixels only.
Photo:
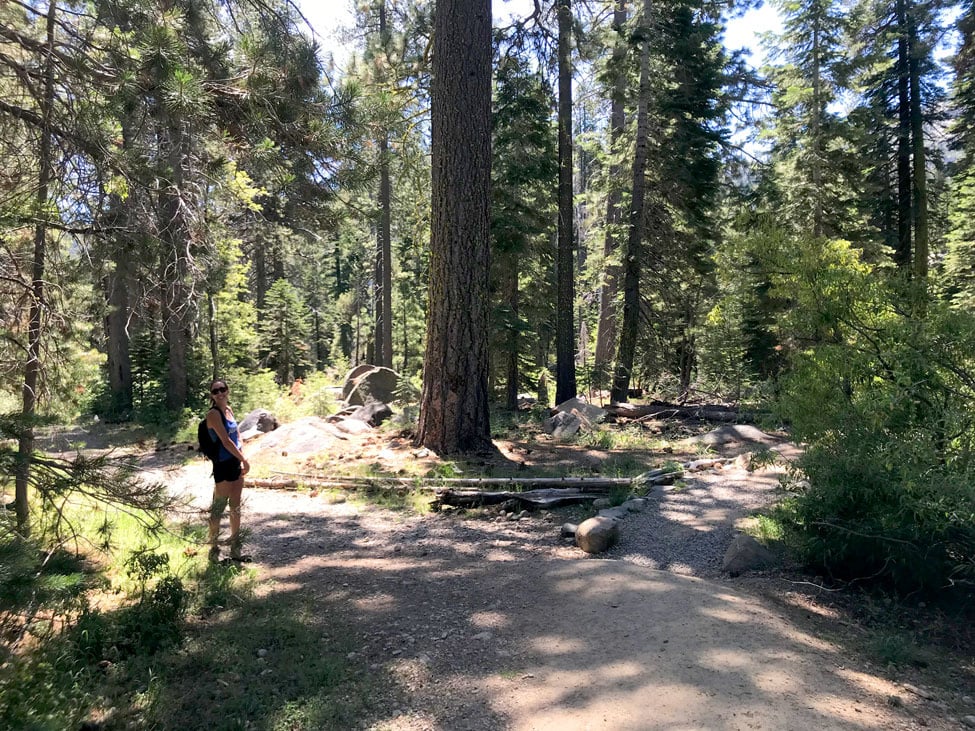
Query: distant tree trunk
[
  {"x": 176, "y": 235},
  {"x": 902, "y": 255},
  {"x": 634, "y": 245},
  {"x": 260, "y": 274},
  {"x": 32, "y": 369},
  {"x": 606, "y": 332},
  {"x": 117, "y": 332},
  {"x": 565, "y": 371},
  {"x": 212, "y": 329},
  {"x": 919, "y": 173},
  {"x": 819, "y": 110},
  {"x": 384, "y": 255},
  {"x": 512, "y": 299},
  {"x": 454, "y": 406}
]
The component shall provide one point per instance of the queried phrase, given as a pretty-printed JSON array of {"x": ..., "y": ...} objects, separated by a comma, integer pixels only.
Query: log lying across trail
[
  {"x": 543, "y": 492},
  {"x": 664, "y": 410},
  {"x": 538, "y": 499}
]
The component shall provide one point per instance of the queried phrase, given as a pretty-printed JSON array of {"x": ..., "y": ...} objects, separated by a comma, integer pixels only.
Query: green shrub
[{"x": 887, "y": 415}]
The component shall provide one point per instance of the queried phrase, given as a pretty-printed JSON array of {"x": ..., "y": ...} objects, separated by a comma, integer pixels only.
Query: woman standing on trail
[{"x": 229, "y": 468}]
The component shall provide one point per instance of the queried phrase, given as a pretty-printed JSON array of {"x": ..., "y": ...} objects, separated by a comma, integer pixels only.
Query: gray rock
[
  {"x": 569, "y": 530},
  {"x": 636, "y": 505},
  {"x": 617, "y": 513},
  {"x": 374, "y": 384},
  {"x": 597, "y": 534},
  {"x": 586, "y": 411},
  {"x": 729, "y": 433},
  {"x": 746, "y": 554},
  {"x": 968, "y": 721},
  {"x": 373, "y": 413},
  {"x": 352, "y": 426},
  {"x": 602, "y": 502},
  {"x": 563, "y": 425},
  {"x": 351, "y": 377},
  {"x": 260, "y": 419}
]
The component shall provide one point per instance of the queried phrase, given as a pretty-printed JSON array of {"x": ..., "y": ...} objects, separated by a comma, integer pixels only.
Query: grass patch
[
  {"x": 889, "y": 647},
  {"x": 146, "y": 633}
]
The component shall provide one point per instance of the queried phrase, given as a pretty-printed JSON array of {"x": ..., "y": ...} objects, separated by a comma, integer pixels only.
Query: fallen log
[
  {"x": 537, "y": 499},
  {"x": 432, "y": 483},
  {"x": 291, "y": 481},
  {"x": 664, "y": 410}
]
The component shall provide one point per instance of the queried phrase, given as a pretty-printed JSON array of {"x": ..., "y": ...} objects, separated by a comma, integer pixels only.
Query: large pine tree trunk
[
  {"x": 32, "y": 369},
  {"x": 384, "y": 256},
  {"x": 629, "y": 327},
  {"x": 565, "y": 370},
  {"x": 606, "y": 332},
  {"x": 454, "y": 406}
]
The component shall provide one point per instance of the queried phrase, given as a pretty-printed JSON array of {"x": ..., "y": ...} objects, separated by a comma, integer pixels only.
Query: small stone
[
  {"x": 351, "y": 656},
  {"x": 967, "y": 699},
  {"x": 482, "y": 636},
  {"x": 524, "y": 514},
  {"x": 968, "y": 721},
  {"x": 895, "y": 701},
  {"x": 262, "y": 652},
  {"x": 266, "y": 671},
  {"x": 569, "y": 530},
  {"x": 602, "y": 502}
]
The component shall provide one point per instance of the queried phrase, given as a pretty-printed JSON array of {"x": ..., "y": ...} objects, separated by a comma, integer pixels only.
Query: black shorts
[{"x": 227, "y": 470}]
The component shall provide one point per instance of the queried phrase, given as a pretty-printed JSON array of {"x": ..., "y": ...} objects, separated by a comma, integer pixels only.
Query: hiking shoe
[{"x": 214, "y": 554}]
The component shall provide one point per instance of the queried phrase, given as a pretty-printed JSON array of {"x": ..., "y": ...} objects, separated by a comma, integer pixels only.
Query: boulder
[
  {"x": 595, "y": 535},
  {"x": 351, "y": 377},
  {"x": 735, "y": 433},
  {"x": 746, "y": 554},
  {"x": 260, "y": 419},
  {"x": 375, "y": 384},
  {"x": 352, "y": 426},
  {"x": 373, "y": 413},
  {"x": 563, "y": 425},
  {"x": 581, "y": 408}
]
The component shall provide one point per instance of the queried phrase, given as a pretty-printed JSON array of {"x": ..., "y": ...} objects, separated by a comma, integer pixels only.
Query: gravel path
[{"x": 485, "y": 623}]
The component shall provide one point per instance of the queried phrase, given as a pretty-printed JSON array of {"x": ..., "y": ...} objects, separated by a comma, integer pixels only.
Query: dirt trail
[{"x": 487, "y": 625}]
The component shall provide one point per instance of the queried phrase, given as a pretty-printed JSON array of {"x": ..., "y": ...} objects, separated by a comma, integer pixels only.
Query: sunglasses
[{"x": 218, "y": 389}]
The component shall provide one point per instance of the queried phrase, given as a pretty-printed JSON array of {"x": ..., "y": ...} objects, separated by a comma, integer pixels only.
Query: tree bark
[
  {"x": 634, "y": 246},
  {"x": 512, "y": 299},
  {"x": 902, "y": 255},
  {"x": 454, "y": 414},
  {"x": 565, "y": 372},
  {"x": 32, "y": 369},
  {"x": 176, "y": 238},
  {"x": 919, "y": 172},
  {"x": 384, "y": 255},
  {"x": 606, "y": 332}
]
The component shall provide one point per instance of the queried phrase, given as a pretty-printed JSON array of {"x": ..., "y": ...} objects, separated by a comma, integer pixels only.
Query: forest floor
[{"x": 473, "y": 619}]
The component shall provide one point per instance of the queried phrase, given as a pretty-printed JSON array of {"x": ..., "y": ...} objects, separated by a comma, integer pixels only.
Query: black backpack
[{"x": 205, "y": 445}]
